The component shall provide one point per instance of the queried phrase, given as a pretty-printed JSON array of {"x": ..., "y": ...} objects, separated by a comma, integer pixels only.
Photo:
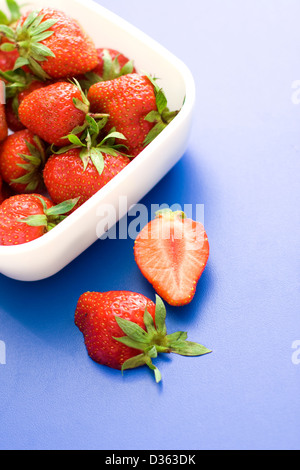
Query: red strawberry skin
[
  {"x": 50, "y": 113},
  {"x": 95, "y": 318},
  {"x": 65, "y": 177},
  {"x": 13, "y": 232},
  {"x": 10, "y": 149},
  {"x": 75, "y": 52},
  {"x": 127, "y": 100},
  {"x": 172, "y": 254}
]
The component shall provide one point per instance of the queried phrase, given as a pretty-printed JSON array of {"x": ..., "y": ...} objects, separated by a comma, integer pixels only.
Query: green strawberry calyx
[
  {"x": 91, "y": 149},
  {"x": 155, "y": 340},
  {"x": 27, "y": 38},
  {"x": 111, "y": 70},
  {"x": 160, "y": 117},
  {"x": 51, "y": 217},
  {"x": 34, "y": 163}
]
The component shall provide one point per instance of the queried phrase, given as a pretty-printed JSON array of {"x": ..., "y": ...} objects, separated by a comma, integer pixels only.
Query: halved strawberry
[{"x": 172, "y": 252}]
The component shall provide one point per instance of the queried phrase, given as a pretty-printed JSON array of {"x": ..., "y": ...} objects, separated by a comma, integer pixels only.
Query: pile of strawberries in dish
[{"x": 75, "y": 116}]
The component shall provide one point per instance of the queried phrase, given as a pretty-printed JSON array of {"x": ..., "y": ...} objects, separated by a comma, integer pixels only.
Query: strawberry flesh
[{"x": 172, "y": 254}]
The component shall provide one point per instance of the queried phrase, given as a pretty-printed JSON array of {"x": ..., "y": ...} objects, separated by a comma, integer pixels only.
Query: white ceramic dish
[{"x": 46, "y": 256}]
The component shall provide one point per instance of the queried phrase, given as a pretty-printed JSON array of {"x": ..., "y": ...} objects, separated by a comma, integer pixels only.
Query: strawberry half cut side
[{"x": 172, "y": 252}]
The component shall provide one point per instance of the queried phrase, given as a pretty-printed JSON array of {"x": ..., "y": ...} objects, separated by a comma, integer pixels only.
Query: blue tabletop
[{"x": 242, "y": 164}]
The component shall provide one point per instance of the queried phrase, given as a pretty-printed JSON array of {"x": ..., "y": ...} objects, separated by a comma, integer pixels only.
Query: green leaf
[
  {"x": 127, "y": 68},
  {"x": 80, "y": 105},
  {"x": 153, "y": 116},
  {"x": 92, "y": 124},
  {"x": 8, "y": 47},
  {"x": 75, "y": 140},
  {"x": 42, "y": 36},
  {"x": 37, "y": 69},
  {"x": 85, "y": 157},
  {"x": 97, "y": 159},
  {"x": 149, "y": 323},
  {"x": 14, "y": 10},
  {"x": 155, "y": 131},
  {"x": 3, "y": 18},
  {"x": 160, "y": 316},
  {"x": 44, "y": 26},
  {"x": 63, "y": 208},
  {"x": 20, "y": 62},
  {"x": 154, "y": 83},
  {"x": 131, "y": 343},
  {"x": 9, "y": 33},
  {"x": 179, "y": 336},
  {"x": 132, "y": 330},
  {"x": 134, "y": 362},
  {"x": 35, "y": 220},
  {"x": 41, "y": 50},
  {"x": 161, "y": 101},
  {"x": 30, "y": 19},
  {"x": 188, "y": 348}
]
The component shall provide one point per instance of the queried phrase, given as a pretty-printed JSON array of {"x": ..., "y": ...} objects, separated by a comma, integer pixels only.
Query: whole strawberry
[
  {"x": 52, "y": 112},
  {"x": 22, "y": 159},
  {"x": 172, "y": 252},
  {"x": 52, "y": 44},
  {"x": 136, "y": 106},
  {"x": 66, "y": 176},
  {"x": 24, "y": 218},
  {"x": 124, "y": 330}
]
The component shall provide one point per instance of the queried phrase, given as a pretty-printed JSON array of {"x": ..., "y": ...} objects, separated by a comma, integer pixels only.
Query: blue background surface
[{"x": 242, "y": 163}]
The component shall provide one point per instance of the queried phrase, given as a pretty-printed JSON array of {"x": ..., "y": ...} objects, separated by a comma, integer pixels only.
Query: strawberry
[
  {"x": 172, "y": 252},
  {"x": 24, "y": 218},
  {"x": 67, "y": 176},
  {"x": 52, "y": 112},
  {"x": 22, "y": 158},
  {"x": 52, "y": 44},
  {"x": 136, "y": 106},
  {"x": 104, "y": 318}
]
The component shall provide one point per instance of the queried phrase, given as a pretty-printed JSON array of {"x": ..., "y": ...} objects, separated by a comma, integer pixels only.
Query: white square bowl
[{"x": 49, "y": 254}]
